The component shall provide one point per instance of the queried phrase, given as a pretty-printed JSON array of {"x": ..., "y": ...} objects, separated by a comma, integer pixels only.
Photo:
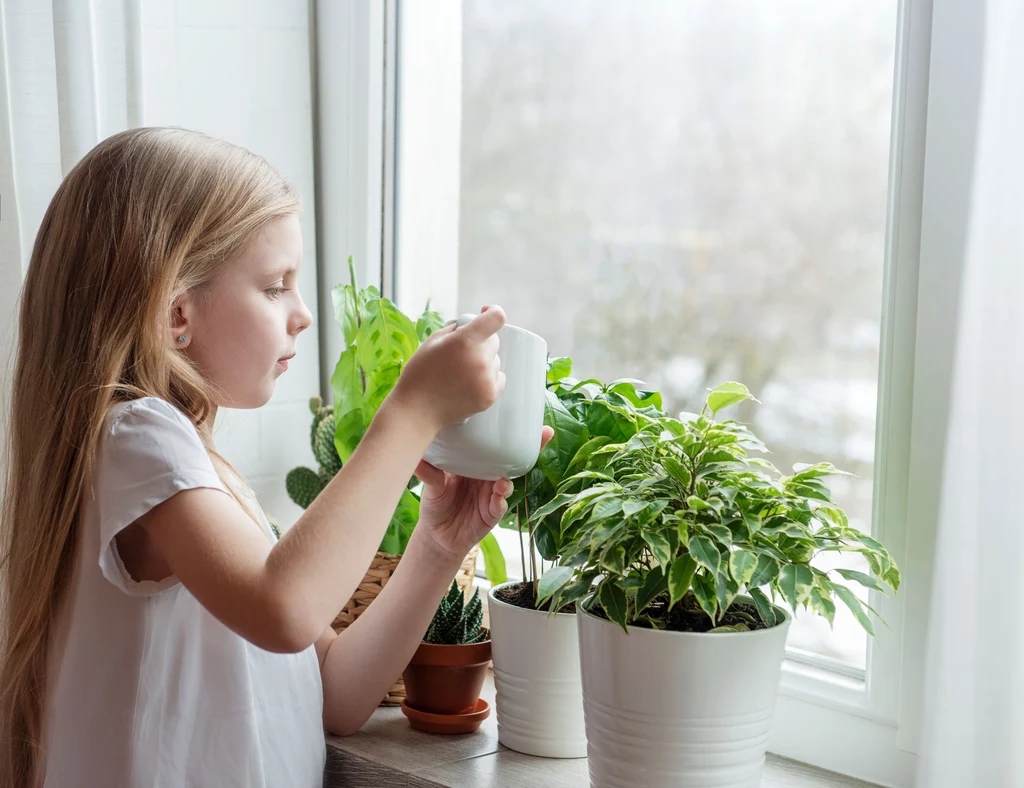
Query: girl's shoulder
[{"x": 147, "y": 411}]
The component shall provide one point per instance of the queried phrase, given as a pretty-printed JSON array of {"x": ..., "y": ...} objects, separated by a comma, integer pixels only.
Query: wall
[{"x": 240, "y": 70}]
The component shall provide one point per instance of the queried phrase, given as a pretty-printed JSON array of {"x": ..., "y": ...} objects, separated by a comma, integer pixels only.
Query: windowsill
[{"x": 386, "y": 751}]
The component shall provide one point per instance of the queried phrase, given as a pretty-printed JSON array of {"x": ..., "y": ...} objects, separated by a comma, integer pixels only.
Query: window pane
[{"x": 689, "y": 193}]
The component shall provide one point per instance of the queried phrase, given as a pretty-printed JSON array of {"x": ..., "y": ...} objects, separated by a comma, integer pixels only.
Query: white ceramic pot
[
  {"x": 667, "y": 709},
  {"x": 537, "y": 678}
]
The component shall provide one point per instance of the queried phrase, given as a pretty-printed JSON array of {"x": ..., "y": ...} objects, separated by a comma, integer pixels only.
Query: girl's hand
[{"x": 457, "y": 512}]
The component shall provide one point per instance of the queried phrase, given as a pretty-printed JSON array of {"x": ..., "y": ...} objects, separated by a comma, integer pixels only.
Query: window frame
[{"x": 867, "y": 729}]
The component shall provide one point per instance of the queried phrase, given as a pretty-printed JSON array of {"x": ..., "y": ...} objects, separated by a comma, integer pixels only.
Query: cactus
[
  {"x": 304, "y": 484},
  {"x": 456, "y": 622}
]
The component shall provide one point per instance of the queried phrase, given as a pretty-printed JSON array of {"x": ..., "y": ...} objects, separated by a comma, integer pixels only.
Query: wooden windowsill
[{"x": 387, "y": 752}]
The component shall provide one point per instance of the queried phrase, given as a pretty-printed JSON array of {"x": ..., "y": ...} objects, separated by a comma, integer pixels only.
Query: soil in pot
[
  {"x": 687, "y": 616},
  {"x": 522, "y": 595},
  {"x": 446, "y": 679}
]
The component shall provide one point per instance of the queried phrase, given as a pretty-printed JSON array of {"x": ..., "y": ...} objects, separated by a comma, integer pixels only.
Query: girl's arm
[
  {"x": 360, "y": 665},
  {"x": 282, "y": 599}
]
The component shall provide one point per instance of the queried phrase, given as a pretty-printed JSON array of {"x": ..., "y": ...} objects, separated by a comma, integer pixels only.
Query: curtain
[
  {"x": 69, "y": 77},
  {"x": 974, "y": 707}
]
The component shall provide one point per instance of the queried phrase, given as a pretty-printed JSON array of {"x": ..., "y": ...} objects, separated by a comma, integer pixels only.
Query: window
[{"x": 689, "y": 192}]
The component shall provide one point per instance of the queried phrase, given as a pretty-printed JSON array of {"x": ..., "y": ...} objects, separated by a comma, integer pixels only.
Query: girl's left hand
[{"x": 457, "y": 512}]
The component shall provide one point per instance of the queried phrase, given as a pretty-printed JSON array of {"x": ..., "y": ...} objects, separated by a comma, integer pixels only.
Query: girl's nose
[{"x": 301, "y": 319}]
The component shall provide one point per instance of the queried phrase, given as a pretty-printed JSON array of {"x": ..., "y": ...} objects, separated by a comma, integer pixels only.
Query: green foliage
[
  {"x": 457, "y": 622},
  {"x": 586, "y": 415},
  {"x": 379, "y": 341},
  {"x": 650, "y": 506}
]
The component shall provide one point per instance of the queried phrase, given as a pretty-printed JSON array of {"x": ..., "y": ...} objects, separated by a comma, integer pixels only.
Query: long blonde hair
[{"x": 145, "y": 216}]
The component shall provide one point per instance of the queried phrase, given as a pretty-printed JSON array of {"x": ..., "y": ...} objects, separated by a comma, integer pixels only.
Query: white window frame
[{"x": 393, "y": 71}]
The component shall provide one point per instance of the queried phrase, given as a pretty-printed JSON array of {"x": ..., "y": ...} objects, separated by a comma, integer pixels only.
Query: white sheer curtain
[
  {"x": 69, "y": 77},
  {"x": 974, "y": 709}
]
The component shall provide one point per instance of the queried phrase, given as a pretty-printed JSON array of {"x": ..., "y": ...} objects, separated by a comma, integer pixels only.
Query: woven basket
[{"x": 374, "y": 580}]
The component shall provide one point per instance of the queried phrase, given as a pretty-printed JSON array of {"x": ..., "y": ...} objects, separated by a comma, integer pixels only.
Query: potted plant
[
  {"x": 379, "y": 340},
  {"x": 689, "y": 539},
  {"x": 445, "y": 676},
  {"x": 535, "y": 645}
]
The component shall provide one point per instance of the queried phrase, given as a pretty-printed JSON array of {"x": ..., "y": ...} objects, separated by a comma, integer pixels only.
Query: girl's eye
[{"x": 275, "y": 292}]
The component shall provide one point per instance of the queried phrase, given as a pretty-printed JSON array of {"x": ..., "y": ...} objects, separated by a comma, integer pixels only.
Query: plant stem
[
  {"x": 522, "y": 552},
  {"x": 533, "y": 551}
]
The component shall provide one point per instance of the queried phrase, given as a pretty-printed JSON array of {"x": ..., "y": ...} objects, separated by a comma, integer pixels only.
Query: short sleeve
[{"x": 149, "y": 451}]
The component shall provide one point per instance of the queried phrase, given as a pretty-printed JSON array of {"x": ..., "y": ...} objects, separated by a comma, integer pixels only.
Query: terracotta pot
[{"x": 446, "y": 679}]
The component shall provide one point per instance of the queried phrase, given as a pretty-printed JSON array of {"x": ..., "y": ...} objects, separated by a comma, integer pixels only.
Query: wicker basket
[{"x": 376, "y": 578}]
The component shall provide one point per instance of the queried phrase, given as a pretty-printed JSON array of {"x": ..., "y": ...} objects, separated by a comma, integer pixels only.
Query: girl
[{"x": 154, "y": 634}]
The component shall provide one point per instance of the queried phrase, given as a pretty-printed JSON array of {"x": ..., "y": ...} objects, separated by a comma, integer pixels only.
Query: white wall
[{"x": 240, "y": 70}]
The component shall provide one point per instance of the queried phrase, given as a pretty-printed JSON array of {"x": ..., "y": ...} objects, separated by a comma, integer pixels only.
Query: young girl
[{"x": 154, "y": 634}]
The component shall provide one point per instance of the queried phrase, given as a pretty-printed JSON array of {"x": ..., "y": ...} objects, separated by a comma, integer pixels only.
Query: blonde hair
[{"x": 144, "y": 217}]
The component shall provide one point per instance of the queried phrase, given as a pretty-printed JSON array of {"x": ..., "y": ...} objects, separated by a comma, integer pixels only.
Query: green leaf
[
  {"x": 615, "y": 559},
  {"x": 822, "y": 604},
  {"x": 766, "y": 571},
  {"x": 892, "y": 577},
  {"x": 559, "y": 368},
  {"x": 677, "y": 470},
  {"x": 697, "y": 504},
  {"x": 348, "y": 431},
  {"x": 605, "y": 508},
  {"x": 660, "y": 548},
  {"x": 680, "y": 576},
  {"x": 604, "y": 418},
  {"x": 795, "y": 582},
  {"x": 613, "y": 600},
  {"x": 654, "y": 585},
  {"x": 726, "y": 590},
  {"x": 851, "y": 601},
  {"x": 347, "y": 383},
  {"x": 551, "y": 506},
  {"x": 403, "y": 521},
  {"x": 632, "y": 506},
  {"x": 706, "y": 554},
  {"x": 727, "y": 394},
  {"x": 638, "y": 397},
  {"x": 742, "y": 565},
  {"x": 385, "y": 336},
  {"x": 764, "y": 607},
  {"x": 570, "y": 435},
  {"x": 552, "y": 580},
  {"x": 428, "y": 323},
  {"x": 494, "y": 560},
  {"x": 346, "y": 312},
  {"x": 704, "y": 591},
  {"x": 863, "y": 579},
  {"x": 579, "y": 460}
]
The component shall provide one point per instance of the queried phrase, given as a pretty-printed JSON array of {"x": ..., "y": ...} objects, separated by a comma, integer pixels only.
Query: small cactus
[
  {"x": 456, "y": 622},
  {"x": 304, "y": 484}
]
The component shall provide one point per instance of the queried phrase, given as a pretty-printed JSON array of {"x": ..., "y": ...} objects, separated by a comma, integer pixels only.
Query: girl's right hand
[{"x": 456, "y": 372}]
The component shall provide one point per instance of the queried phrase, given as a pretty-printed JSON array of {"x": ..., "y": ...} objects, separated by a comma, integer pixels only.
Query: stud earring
[{"x": 181, "y": 340}]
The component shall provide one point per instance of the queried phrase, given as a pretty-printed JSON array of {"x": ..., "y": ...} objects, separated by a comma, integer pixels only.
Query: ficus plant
[
  {"x": 585, "y": 414},
  {"x": 379, "y": 340},
  {"x": 680, "y": 516}
]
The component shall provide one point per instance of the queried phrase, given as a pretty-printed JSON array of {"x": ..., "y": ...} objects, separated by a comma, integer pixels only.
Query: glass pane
[{"x": 689, "y": 193}]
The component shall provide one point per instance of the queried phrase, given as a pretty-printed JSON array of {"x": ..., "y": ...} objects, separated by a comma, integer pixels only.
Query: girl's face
[{"x": 241, "y": 330}]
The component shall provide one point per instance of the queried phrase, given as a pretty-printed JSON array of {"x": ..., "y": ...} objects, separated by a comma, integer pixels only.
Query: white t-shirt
[{"x": 146, "y": 688}]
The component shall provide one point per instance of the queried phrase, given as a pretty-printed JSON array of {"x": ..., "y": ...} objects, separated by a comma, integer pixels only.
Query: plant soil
[
  {"x": 522, "y": 595},
  {"x": 687, "y": 616}
]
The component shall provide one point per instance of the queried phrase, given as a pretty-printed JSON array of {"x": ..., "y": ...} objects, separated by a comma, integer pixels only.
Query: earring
[{"x": 181, "y": 340}]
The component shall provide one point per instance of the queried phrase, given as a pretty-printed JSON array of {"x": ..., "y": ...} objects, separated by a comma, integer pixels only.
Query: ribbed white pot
[
  {"x": 669, "y": 709},
  {"x": 537, "y": 680}
]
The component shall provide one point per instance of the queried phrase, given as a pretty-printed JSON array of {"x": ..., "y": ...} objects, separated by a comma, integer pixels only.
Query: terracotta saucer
[{"x": 447, "y": 723}]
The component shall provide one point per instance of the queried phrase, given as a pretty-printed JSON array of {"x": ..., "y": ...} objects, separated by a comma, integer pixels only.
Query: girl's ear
[{"x": 178, "y": 325}]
